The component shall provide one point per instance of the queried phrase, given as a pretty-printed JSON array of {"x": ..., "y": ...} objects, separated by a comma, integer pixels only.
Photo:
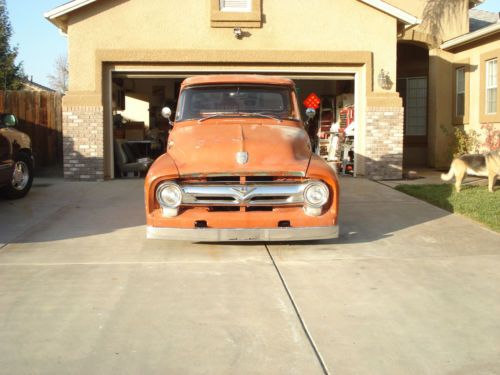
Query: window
[
  {"x": 213, "y": 101},
  {"x": 236, "y": 13},
  {"x": 491, "y": 86},
  {"x": 416, "y": 107},
  {"x": 460, "y": 92},
  {"x": 236, "y": 5}
]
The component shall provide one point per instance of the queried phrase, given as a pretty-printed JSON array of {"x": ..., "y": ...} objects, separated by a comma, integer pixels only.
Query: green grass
[{"x": 475, "y": 202}]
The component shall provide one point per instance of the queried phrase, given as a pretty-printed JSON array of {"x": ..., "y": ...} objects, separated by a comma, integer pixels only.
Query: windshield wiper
[
  {"x": 236, "y": 114},
  {"x": 259, "y": 114},
  {"x": 221, "y": 114}
]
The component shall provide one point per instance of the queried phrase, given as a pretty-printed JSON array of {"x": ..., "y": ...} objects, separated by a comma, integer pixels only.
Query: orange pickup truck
[{"x": 239, "y": 167}]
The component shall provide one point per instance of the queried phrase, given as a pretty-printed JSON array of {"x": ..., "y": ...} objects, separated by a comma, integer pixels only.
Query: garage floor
[{"x": 407, "y": 289}]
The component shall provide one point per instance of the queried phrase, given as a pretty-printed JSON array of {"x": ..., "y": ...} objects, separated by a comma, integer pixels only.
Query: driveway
[{"x": 406, "y": 289}]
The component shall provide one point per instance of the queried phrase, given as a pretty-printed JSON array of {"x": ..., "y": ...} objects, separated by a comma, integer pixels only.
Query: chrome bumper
[{"x": 245, "y": 234}]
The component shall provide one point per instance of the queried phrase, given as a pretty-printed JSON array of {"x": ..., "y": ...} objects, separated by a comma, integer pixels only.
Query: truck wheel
[{"x": 22, "y": 177}]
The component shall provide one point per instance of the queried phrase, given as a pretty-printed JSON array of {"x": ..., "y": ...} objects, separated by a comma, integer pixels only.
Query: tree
[
  {"x": 59, "y": 80},
  {"x": 437, "y": 12},
  {"x": 11, "y": 74}
]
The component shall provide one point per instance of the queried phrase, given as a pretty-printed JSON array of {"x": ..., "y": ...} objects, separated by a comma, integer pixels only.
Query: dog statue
[{"x": 477, "y": 165}]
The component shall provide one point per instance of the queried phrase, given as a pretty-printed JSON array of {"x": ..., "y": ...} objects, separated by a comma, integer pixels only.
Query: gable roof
[
  {"x": 29, "y": 84},
  {"x": 59, "y": 15},
  {"x": 471, "y": 37},
  {"x": 482, "y": 18},
  {"x": 391, "y": 10}
]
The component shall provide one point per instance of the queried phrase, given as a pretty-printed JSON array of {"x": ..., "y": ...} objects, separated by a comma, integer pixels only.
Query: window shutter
[{"x": 236, "y": 5}]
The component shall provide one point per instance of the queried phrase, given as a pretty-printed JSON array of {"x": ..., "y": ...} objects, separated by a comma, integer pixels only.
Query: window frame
[
  {"x": 484, "y": 116},
  {"x": 494, "y": 86},
  {"x": 246, "y": 19},
  {"x": 245, "y": 9},
  {"x": 459, "y": 91},
  {"x": 461, "y": 119}
]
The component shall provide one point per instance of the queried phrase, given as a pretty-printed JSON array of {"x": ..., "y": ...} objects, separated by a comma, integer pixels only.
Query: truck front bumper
[{"x": 243, "y": 234}]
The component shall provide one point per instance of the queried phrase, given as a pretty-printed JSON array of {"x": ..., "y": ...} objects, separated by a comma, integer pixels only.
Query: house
[
  {"x": 475, "y": 80},
  {"x": 30, "y": 85},
  {"x": 380, "y": 62}
]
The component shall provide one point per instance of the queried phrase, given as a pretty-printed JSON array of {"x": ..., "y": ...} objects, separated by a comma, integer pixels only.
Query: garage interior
[{"x": 140, "y": 132}]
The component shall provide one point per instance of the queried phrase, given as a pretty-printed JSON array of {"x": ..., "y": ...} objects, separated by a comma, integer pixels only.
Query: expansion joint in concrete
[{"x": 299, "y": 315}]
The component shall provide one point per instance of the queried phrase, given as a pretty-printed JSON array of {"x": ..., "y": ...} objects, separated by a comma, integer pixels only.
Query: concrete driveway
[{"x": 406, "y": 289}]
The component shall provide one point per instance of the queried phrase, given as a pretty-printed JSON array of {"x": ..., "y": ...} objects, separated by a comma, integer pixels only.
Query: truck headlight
[
  {"x": 316, "y": 194},
  {"x": 169, "y": 195}
]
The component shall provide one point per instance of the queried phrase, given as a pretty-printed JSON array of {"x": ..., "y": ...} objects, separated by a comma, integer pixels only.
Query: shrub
[
  {"x": 465, "y": 142},
  {"x": 492, "y": 139},
  {"x": 471, "y": 142}
]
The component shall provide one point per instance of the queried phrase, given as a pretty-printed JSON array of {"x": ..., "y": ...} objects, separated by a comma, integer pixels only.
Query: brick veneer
[
  {"x": 83, "y": 143},
  {"x": 384, "y": 142},
  {"x": 83, "y": 132}
]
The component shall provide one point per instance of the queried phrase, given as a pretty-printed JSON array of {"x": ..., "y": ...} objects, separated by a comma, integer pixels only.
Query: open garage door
[{"x": 138, "y": 133}]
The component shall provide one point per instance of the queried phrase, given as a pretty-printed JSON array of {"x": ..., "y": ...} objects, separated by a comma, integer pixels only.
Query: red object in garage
[{"x": 312, "y": 101}]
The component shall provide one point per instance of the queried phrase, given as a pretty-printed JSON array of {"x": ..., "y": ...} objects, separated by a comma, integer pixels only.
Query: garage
[
  {"x": 138, "y": 132},
  {"x": 347, "y": 57}
]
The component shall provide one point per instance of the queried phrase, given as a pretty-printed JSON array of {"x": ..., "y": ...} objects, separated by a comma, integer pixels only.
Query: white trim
[
  {"x": 66, "y": 8},
  {"x": 111, "y": 144},
  {"x": 246, "y": 8},
  {"x": 55, "y": 14},
  {"x": 469, "y": 37},
  {"x": 391, "y": 10},
  {"x": 491, "y": 73},
  {"x": 359, "y": 74},
  {"x": 459, "y": 91}
]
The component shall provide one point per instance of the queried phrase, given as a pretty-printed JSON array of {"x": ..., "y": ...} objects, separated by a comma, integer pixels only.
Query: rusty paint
[{"x": 207, "y": 149}]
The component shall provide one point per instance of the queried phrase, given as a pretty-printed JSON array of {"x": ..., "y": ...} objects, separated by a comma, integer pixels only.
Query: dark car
[{"x": 16, "y": 159}]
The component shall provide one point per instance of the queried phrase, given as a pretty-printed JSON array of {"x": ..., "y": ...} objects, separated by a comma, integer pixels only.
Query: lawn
[{"x": 475, "y": 202}]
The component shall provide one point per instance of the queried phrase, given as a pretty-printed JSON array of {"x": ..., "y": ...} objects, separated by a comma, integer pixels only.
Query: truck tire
[{"x": 22, "y": 177}]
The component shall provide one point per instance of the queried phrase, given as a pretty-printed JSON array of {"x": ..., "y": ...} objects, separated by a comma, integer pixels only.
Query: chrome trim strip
[
  {"x": 242, "y": 234},
  {"x": 256, "y": 174},
  {"x": 249, "y": 194}
]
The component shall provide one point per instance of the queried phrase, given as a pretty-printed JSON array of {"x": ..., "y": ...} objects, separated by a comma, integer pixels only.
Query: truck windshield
[{"x": 200, "y": 102}]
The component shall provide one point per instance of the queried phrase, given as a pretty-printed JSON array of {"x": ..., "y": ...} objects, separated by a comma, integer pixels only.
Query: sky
[{"x": 40, "y": 42}]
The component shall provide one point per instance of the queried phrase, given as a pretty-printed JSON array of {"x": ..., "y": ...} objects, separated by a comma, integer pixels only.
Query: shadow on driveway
[{"x": 56, "y": 209}]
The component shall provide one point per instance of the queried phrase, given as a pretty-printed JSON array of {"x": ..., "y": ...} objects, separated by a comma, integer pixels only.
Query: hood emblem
[
  {"x": 242, "y": 157},
  {"x": 243, "y": 191}
]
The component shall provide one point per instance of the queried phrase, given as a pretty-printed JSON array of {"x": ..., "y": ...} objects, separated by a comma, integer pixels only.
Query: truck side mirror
[
  {"x": 166, "y": 112},
  {"x": 310, "y": 113}
]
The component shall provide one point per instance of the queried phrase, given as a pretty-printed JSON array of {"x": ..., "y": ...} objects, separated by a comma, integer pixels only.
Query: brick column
[
  {"x": 83, "y": 143},
  {"x": 384, "y": 143}
]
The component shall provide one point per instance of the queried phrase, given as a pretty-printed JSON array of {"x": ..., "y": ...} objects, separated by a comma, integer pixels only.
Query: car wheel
[{"x": 22, "y": 177}]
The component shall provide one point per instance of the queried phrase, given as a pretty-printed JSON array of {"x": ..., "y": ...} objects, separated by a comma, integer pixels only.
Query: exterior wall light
[
  {"x": 384, "y": 80},
  {"x": 238, "y": 33}
]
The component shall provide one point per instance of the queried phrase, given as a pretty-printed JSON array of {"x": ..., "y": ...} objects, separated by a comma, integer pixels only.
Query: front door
[{"x": 413, "y": 90}]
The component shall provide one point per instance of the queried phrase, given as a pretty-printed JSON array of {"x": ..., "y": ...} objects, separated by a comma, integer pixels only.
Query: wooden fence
[{"x": 40, "y": 116}]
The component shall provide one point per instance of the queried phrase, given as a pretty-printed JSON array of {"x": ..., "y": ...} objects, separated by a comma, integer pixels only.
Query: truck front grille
[{"x": 248, "y": 195}]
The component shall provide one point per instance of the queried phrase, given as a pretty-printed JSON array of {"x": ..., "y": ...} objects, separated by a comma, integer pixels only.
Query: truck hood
[{"x": 211, "y": 148}]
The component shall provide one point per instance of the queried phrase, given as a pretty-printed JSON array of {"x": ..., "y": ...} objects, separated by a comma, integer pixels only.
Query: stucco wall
[
  {"x": 146, "y": 27},
  {"x": 473, "y": 59},
  {"x": 439, "y": 112},
  {"x": 314, "y": 36},
  {"x": 441, "y": 96}
]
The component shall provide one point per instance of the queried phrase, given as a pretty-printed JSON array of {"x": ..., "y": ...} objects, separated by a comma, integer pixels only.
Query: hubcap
[{"x": 21, "y": 175}]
